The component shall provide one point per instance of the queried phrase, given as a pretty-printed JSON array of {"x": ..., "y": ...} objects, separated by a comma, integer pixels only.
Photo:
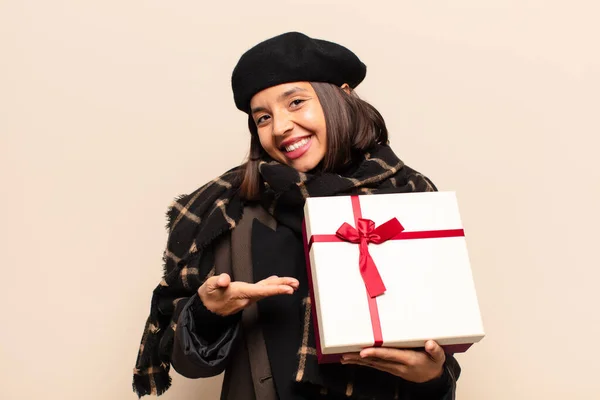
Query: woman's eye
[
  {"x": 261, "y": 119},
  {"x": 297, "y": 102}
]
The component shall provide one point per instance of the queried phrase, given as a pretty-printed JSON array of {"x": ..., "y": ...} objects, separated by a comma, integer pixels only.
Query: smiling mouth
[
  {"x": 297, "y": 149},
  {"x": 300, "y": 143}
]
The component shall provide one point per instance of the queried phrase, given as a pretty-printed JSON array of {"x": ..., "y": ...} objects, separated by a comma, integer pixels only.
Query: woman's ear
[{"x": 346, "y": 88}]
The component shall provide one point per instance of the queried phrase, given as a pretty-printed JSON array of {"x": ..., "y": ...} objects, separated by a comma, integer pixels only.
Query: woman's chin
[
  {"x": 306, "y": 163},
  {"x": 304, "y": 166}
]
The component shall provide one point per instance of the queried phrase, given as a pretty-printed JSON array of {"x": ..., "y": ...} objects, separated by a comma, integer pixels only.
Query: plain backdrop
[{"x": 109, "y": 109}]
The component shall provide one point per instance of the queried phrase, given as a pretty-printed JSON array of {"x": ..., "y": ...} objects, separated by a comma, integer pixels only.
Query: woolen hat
[{"x": 293, "y": 57}]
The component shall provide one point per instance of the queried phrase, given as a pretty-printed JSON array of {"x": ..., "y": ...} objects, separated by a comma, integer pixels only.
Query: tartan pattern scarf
[{"x": 197, "y": 220}]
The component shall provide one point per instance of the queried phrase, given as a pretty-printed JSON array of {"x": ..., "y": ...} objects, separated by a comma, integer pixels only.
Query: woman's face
[{"x": 291, "y": 124}]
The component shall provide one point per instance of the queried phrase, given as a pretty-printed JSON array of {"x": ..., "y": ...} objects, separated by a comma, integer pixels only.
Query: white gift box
[{"x": 429, "y": 288}]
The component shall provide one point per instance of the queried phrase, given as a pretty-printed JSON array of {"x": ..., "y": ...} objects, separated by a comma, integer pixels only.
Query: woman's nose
[{"x": 282, "y": 124}]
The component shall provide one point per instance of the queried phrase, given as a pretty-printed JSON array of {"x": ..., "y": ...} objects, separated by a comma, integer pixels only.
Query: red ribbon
[{"x": 365, "y": 233}]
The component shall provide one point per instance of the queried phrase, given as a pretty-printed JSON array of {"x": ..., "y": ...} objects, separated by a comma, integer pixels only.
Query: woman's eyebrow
[
  {"x": 258, "y": 109},
  {"x": 291, "y": 92}
]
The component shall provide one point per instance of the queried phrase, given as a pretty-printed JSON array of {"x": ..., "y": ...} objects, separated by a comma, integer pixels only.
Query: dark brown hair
[{"x": 353, "y": 126}]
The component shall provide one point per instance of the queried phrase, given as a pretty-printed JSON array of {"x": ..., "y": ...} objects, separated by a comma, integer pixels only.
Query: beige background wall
[{"x": 109, "y": 109}]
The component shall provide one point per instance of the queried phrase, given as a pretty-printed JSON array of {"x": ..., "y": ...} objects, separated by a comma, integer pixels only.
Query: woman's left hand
[{"x": 411, "y": 365}]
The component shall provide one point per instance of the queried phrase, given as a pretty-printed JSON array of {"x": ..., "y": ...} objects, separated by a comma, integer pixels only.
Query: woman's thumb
[
  {"x": 223, "y": 280},
  {"x": 434, "y": 350}
]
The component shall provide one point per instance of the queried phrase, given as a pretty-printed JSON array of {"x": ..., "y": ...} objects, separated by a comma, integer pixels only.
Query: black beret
[{"x": 293, "y": 57}]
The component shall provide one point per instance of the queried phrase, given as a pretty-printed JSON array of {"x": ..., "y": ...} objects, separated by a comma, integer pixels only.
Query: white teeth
[{"x": 297, "y": 145}]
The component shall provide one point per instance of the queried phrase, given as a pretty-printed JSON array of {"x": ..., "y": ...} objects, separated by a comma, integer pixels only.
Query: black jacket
[{"x": 251, "y": 350}]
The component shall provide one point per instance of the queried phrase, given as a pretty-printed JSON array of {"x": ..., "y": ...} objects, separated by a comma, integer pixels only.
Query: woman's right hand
[{"x": 223, "y": 297}]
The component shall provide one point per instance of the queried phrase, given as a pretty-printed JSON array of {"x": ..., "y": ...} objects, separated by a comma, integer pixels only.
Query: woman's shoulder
[
  {"x": 219, "y": 192},
  {"x": 228, "y": 179},
  {"x": 417, "y": 180}
]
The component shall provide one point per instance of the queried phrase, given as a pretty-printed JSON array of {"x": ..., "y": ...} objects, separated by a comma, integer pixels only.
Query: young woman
[{"x": 234, "y": 296}]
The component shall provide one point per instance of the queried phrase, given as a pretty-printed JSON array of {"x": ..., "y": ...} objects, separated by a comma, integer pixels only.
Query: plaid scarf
[{"x": 196, "y": 220}]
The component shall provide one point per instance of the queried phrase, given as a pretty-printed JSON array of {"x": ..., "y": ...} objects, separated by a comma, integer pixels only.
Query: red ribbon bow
[{"x": 364, "y": 234}]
